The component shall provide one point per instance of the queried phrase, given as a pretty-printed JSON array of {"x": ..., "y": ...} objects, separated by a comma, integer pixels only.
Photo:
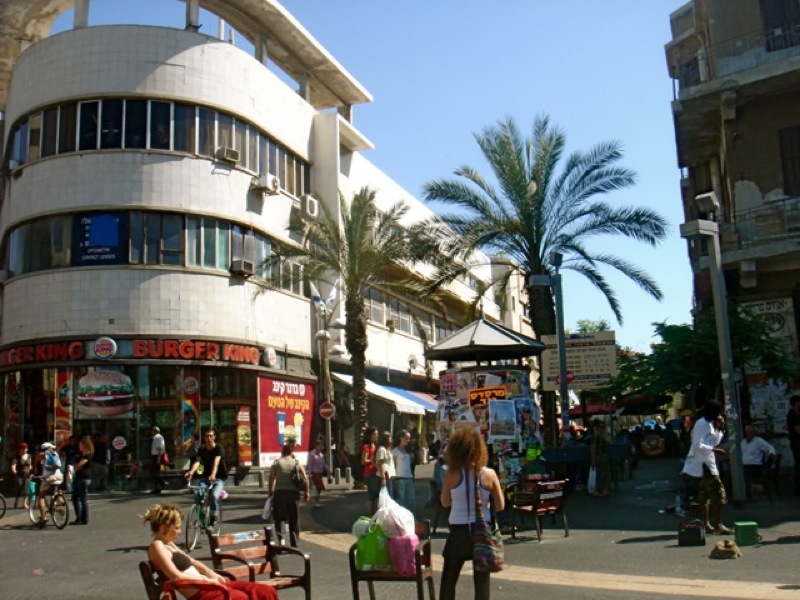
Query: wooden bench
[
  {"x": 253, "y": 555},
  {"x": 158, "y": 588},
  {"x": 423, "y": 571},
  {"x": 538, "y": 498}
]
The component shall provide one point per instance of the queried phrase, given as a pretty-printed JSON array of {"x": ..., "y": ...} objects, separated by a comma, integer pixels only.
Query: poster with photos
[{"x": 502, "y": 420}]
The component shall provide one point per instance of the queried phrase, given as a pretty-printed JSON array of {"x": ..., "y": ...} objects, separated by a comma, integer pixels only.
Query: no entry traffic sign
[{"x": 327, "y": 410}]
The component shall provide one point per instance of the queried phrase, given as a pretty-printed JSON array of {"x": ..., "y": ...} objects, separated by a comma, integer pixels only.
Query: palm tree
[
  {"x": 362, "y": 247},
  {"x": 537, "y": 213}
]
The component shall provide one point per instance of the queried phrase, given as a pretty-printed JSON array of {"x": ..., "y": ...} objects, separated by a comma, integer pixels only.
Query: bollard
[
  {"x": 337, "y": 475},
  {"x": 348, "y": 475}
]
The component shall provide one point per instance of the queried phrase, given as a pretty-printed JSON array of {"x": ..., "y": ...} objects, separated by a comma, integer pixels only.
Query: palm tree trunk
[
  {"x": 542, "y": 313},
  {"x": 357, "y": 342}
]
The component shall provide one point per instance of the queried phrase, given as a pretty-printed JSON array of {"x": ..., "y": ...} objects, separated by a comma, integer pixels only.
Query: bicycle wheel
[
  {"x": 2, "y": 506},
  {"x": 59, "y": 511},
  {"x": 192, "y": 529},
  {"x": 215, "y": 528}
]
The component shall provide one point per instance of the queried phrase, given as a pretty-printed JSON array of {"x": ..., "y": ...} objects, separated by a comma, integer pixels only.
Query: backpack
[{"x": 52, "y": 461}]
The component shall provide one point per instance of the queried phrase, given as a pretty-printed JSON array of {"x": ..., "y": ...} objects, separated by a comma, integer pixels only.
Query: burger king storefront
[{"x": 121, "y": 388}]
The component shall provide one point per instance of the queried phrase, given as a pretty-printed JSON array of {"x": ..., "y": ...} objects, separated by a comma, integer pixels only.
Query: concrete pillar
[
  {"x": 305, "y": 88},
  {"x": 81, "y": 17},
  {"x": 261, "y": 50},
  {"x": 193, "y": 15},
  {"x": 221, "y": 29}
]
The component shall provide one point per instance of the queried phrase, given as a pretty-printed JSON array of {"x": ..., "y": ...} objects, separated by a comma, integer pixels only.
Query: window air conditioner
[
  {"x": 244, "y": 268},
  {"x": 228, "y": 154},
  {"x": 391, "y": 324},
  {"x": 310, "y": 206},
  {"x": 269, "y": 184}
]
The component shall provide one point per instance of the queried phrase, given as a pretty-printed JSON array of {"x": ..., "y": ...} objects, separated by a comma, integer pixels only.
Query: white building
[{"x": 148, "y": 172}]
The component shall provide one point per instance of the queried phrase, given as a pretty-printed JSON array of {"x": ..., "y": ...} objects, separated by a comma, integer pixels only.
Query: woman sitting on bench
[{"x": 177, "y": 566}]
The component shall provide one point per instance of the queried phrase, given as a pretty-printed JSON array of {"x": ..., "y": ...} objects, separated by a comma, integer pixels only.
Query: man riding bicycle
[
  {"x": 214, "y": 472},
  {"x": 51, "y": 477}
]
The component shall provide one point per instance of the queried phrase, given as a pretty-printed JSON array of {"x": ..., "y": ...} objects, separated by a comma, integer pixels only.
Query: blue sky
[{"x": 441, "y": 71}]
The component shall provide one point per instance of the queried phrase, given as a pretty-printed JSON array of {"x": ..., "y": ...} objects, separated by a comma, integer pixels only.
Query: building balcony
[
  {"x": 737, "y": 55},
  {"x": 780, "y": 219}
]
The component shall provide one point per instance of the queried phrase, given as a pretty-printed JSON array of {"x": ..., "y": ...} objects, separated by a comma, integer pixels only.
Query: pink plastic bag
[{"x": 401, "y": 552}]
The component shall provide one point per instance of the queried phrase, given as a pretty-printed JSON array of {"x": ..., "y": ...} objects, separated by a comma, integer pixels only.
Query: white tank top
[{"x": 462, "y": 497}]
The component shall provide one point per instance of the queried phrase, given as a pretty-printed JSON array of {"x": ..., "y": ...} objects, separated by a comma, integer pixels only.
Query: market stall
[{"x": 483, "y": 387}]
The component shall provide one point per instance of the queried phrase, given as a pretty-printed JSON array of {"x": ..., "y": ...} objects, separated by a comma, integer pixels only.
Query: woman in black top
[{"x": 83, "y": 477}]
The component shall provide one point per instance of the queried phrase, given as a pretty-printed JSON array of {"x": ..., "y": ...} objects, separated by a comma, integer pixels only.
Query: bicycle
[
  {"x": 200, "y": 516},
  {"x": 58, "y": 507}
]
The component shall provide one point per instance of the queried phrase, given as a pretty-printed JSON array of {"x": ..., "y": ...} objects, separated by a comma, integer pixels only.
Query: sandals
[{"x": 722, "y": 530}]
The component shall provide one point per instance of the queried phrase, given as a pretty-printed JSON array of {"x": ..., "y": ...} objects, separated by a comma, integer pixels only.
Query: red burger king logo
[{"x": 105, "y": 348}]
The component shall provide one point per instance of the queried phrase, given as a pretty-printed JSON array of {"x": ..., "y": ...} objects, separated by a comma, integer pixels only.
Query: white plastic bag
[
  {"x": 393, "y": 519},
  {"x": 591, "y": 483},
  {"x": 266, "y": 512}
]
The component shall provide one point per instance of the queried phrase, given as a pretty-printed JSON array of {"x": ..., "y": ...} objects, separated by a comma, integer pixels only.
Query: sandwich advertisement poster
[{"x": 104, "y": 394}]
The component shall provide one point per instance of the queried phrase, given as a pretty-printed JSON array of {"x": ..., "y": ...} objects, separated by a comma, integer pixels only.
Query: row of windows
[
  {"x": 386, "y": 310},
  {"x": 145, "y": 238},
  {"x": 138, "y": 124}
]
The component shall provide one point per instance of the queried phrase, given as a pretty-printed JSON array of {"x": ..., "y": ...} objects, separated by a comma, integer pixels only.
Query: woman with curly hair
[
  {"x": 189, "y": 576},
  {"x": 466, "y": 458}
]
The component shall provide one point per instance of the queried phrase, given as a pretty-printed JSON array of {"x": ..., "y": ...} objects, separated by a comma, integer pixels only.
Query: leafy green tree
[
  {"x": 590, "y": 326},
  {"x": 686, "y": 360},
  {"x": 362, "y": 247},
  {"x": 545, "y": 205}
]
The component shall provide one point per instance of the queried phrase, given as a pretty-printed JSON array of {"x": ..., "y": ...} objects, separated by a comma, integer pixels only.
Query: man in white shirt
[
  {"x": 756, "y": 452},
  {"x": 157, "y": 448},
  {"x": 701, "y": 464}
]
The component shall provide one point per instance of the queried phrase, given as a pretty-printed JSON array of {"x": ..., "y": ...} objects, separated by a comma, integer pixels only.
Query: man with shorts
[
  {"x": 701, "y": 464},
  {"x": 51, "y": 477}
]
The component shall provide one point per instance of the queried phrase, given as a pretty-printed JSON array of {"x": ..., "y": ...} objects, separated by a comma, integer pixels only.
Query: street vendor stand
[{"x": 488, "y": 386}]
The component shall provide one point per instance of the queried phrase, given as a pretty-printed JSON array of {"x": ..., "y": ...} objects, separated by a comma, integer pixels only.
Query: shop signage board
[
  {"x": 285, "y": 411},
  {"x": 591, "y": 360}
]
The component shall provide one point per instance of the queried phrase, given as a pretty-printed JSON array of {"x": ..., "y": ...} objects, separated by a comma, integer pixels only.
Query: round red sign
[{"x": 327, "y": 410}]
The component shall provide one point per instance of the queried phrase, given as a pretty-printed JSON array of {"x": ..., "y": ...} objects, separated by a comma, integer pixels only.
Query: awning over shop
[
  {"x": 402, "y": 403},
  {"x": 426, "y": 401}
]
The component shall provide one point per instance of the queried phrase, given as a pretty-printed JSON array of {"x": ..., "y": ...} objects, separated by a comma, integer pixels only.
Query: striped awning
[{"x": 402, "y": 403}]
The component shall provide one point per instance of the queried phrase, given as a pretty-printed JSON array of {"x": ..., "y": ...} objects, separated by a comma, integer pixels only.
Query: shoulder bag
[
  {"x": 487, "y": 553},
  {"x": 297, "y": 477}
]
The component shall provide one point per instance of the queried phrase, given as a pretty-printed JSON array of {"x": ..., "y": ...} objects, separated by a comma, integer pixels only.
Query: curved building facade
[{"x": 149, "y": 175}]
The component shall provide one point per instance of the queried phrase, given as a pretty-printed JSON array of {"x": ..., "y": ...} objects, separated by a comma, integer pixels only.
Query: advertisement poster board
[
  {"x": 63, "y": 407},
  {"x": 286, "y": 410},
  {"x": 190, "y": 406},
  {"x": 244, "y": 442}
]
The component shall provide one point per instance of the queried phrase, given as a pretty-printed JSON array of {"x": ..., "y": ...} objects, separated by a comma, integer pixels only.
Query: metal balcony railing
[
  {"x": 780, "y": 219},
  {"x": 740, "y": 54}
]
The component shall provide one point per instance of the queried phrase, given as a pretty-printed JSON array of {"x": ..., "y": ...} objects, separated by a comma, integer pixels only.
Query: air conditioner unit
[
  {"x": 228, "y": 154},
  {"x": 244, "y": 268},
  {"x": 310, "y": 206},
  {"x": 269, "y": 184},
  {"x": 391, "y": 324}
]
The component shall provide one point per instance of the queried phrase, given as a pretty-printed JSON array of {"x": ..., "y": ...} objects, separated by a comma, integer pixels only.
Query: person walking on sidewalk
[
  {"x": 701, "y": 464},
  {"x": 21, "y": 472},
  {"x": 82, "y": 481},
  {"x": 285, "y": 496},
  {"x": 370, "y": 472},
  {"x": 157, "y": 449},
  {"x": 317, "y": 469},
  {"x": 793, "y": 428},
  {"x": 404, "y": 473},
  {"x": 466, "y": 457},
  {"x": 384, "y": 462}
]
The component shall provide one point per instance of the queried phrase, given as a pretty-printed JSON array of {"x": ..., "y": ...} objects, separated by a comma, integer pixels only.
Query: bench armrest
[
  {"x": 275, "y": 550},
  {"x": 182, "y": 584},
  {"x": 218, "y": 557}
]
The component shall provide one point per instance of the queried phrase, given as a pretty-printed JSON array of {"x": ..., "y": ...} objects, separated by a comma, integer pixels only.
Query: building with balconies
[{"x": 735, "y": 65}]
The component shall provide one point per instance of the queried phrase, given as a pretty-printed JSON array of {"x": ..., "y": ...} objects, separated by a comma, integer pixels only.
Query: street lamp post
[
  {"x": 708, "y": 203},
  {"x": 554, "y": 281},
  {"x": 324, "y": 309}
]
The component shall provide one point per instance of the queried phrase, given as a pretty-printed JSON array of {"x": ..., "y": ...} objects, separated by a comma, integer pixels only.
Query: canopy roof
[{"x": 484, "y": 341}]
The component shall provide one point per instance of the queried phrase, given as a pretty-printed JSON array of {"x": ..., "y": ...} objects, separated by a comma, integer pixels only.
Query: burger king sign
[{"x": 104, "y": 348}]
